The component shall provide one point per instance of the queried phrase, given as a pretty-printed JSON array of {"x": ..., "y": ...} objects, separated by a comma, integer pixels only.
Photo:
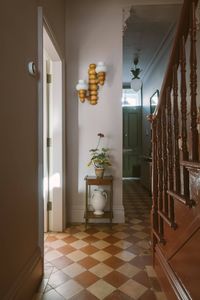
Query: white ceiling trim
[
  {"x": 126, "y": 15},
  {"x": 152, "y": 2}
]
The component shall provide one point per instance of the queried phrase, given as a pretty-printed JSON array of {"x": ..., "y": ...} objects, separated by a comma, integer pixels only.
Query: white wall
[
  {"x": 94, "y": 33},
  {"x": 93, "y": 37}
]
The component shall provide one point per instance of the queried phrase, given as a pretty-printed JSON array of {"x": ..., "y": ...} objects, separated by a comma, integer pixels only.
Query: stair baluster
[
  {"x": 160, "y": 175},
  {"x": 183, "y": 92},
  {"x": 170, "y": 152},
  {"x": 193, "y": 85},
  {"x": 177, "y": 185},
  {"x": 164, "y": 160}
]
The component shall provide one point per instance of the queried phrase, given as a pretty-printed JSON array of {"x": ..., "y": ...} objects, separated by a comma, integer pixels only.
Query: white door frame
[{"x": 42, "y": 23}]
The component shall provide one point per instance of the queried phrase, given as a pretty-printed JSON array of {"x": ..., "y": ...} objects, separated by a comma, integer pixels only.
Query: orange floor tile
[{"x": 104, "y": 263}]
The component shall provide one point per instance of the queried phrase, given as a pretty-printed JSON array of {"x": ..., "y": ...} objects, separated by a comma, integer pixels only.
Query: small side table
[{"x": 92, "y": 180}]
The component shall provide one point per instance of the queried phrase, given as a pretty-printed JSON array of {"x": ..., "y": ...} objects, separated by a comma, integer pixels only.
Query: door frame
[{"x": 43, "y": 23}]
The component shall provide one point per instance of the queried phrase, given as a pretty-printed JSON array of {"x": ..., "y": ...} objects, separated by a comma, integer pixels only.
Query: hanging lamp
[{"x": 136, "y": 82}]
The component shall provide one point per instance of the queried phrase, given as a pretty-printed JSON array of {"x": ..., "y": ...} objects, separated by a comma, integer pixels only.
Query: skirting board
[
  {"x": 77, "y": 216},
  {"x": 28, "y": 280}
]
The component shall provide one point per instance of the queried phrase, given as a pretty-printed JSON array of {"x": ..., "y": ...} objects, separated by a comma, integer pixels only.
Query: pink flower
[{"x": 100, "y": 135}]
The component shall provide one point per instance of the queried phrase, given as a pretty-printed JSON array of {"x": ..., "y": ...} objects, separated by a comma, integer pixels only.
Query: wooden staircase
[{"x": 176, "y": 166}]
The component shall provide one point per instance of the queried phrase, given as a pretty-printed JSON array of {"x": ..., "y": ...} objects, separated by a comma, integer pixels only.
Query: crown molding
[
  {"x": 153, "y": 2},
  {"x": 126, "y": 15}
]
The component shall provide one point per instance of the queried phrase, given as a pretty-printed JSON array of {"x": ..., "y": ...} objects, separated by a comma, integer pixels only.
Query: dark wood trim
[
  {"x": 154, "y": 213},
  {"x": 183, "y": 237},
  {"x": 92, "y": 180},
  {"x": 170, "y": 152},
  {"x": 185, "y": 153},
  {"x": 159, "y": 238},
  {"x": 175, "y": 284},
  {"x": 169, "y": 222},
  {"x": 182, "y": 199},
  {"x": 176, "y": 165},
  {"x": 176, "y": 153},
  {"x": 193, "y": 83},
  {"x": 164, "y": 160},
  {"x": 191, "y": 165},
  {"x": 160, "y": 174},
  {"x": 174, "y": 56}
]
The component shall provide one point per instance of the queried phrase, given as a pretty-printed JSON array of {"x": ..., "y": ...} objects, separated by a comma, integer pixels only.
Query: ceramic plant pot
[
  {"x": 99, "y": 172},
  {"x": 98, "y": 201}
]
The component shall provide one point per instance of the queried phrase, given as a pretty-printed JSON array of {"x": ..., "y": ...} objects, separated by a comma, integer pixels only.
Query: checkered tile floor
[{"x": 100, "y": 263}]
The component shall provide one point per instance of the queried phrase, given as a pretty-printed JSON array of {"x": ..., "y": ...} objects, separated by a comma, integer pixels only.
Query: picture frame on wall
[{"x": 154, "y": 101}]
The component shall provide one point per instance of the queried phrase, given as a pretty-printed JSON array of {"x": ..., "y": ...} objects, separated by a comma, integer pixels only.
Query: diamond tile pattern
[{"x": 100, "y": 263}]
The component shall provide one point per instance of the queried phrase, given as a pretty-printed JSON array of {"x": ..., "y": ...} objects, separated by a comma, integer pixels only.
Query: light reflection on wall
[{"x": 54, "y": 182}]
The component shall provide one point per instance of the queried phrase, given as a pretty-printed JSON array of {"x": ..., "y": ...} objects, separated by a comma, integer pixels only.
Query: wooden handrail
[
  {"x": 182, "y": 30},
  {"x": 174, "y": 142}
]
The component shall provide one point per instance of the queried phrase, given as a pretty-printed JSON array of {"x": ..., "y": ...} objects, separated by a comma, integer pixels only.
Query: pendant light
[{"x": 136, "y": 82}]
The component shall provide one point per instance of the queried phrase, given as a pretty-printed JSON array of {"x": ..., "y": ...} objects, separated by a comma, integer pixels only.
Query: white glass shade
[
  {"x": 136, "y": 84},
  {"x": 101, "y": 67},
  {"x": 82, "y": 85}
]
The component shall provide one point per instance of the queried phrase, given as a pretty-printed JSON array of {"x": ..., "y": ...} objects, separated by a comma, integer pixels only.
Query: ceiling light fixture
[{"x": 136, "y": 82}]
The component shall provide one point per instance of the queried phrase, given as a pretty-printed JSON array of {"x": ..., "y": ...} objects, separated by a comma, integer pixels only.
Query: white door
[
  {"x": 47, "y": 139},
  {"x": 52, "y": 137}
]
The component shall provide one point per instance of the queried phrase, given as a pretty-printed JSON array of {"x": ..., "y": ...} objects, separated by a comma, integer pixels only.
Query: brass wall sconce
[{"x": 89, "y": 91}]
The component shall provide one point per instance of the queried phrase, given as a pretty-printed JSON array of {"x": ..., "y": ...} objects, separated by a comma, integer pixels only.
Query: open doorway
[
  {"x": 132, "y": 133},
  {"x": 51, "y": 132},
  {"x": 52, "y": 136},
  {"x": 148, "y": 32}
]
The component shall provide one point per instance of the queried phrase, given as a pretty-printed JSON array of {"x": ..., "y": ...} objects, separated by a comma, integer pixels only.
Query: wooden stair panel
[
  {"x": 186, "y": 262},
  {"x": 188, "y": 221}
]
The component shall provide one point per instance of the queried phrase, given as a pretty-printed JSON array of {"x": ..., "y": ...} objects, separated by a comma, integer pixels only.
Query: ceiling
[{"x": 147, "y": 27}]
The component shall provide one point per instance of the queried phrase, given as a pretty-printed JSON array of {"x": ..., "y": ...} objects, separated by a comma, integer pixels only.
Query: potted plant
[{"x": 99, "y": 158}]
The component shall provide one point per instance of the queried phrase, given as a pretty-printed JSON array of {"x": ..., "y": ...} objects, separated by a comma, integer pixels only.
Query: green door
[{"x": 132, "y": 141}]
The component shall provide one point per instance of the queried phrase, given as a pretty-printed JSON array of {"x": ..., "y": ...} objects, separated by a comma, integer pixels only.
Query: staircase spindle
[
  {"x": 183, "y": 91},
  {"x": 155, "y": 179},
  {"x": 176, "y": 131},
  {"x": 164, "y": 160},
  {"x": 193, "y": 84},
  {"x": 170, "y": 151},
  {"x": 160, "y": 172}
]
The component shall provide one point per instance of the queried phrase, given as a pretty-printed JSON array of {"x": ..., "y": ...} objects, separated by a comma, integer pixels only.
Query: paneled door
[{"x": 132, "y": 141}]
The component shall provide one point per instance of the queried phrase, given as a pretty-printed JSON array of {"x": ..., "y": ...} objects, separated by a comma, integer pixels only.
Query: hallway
[{"x": 101, "y": 263}]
